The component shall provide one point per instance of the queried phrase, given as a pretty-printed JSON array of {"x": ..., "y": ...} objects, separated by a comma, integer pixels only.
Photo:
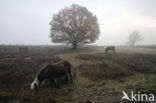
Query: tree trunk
[
  {"x": 133, "y": 43},
  {"x": 75, "y": 45}
]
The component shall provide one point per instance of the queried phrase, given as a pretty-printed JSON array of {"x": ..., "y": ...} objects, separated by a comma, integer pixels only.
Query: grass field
[{"x": 98, "y": 78}]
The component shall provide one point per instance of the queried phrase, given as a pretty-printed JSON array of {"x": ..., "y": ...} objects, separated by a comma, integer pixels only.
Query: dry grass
[{"x": 97, "y": 77}]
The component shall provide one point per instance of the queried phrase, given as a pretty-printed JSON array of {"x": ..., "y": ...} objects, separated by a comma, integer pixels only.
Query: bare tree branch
[{"x": 134, "y": 37}]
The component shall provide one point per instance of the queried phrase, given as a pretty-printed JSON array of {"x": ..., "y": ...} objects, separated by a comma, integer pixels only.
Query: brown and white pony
[
  {"x": 51, "y": 71},
  {"x": 23, "y": 49},
  {"x": 110, "y": 49}
]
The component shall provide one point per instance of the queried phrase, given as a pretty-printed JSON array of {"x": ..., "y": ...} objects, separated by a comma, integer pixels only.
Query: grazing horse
[
  {"x": 110, "y": 49},
  {"x": 51, "y": 71},
  {"x": 23, "y": 49}
]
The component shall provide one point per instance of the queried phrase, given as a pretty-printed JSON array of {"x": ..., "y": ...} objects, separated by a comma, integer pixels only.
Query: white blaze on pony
[
  {"x": 35, "y": 82},
  {"x": 110, "y": 49},
  {"x": 51, "y": 71}
]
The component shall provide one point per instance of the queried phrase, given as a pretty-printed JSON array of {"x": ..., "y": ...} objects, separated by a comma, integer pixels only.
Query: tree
[
  {"x": 74, "y": 25},
  {"x": 134, "y": 37}
]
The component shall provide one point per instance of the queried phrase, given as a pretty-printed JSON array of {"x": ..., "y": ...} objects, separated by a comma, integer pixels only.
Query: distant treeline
[{"x": 147, "y": 46}]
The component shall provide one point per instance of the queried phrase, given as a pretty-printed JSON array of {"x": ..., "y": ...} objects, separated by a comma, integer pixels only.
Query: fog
[{"x": 27, "y": 21}]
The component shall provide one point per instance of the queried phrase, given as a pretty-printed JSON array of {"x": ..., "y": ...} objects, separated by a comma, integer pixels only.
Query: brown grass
[{"x": 96, "y": 76}]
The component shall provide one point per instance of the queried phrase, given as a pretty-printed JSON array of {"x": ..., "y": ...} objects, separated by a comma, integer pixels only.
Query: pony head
[
  {"x": 35, "y": 84},
  {"x": 38, "y": 80}
]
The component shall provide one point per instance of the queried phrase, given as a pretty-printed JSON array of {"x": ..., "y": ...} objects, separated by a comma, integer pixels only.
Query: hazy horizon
[{"x": 27, "y": 22}]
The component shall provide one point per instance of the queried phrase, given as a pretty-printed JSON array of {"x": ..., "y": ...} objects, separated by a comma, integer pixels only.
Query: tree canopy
[{"x": 74, "y": 25}]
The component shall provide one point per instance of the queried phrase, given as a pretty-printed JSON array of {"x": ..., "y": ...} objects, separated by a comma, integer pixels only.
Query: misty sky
[{"x": 27, "y": 21}]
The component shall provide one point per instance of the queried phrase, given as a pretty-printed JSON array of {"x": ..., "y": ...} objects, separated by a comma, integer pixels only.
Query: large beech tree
[{"x": 74, "y": 25}]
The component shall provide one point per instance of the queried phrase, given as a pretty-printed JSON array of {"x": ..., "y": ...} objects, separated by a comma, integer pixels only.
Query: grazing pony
[
  {"x": 110, "y": 49},
  {"x": 51, "y": 71},
  {"x": 23, "y": 49}
]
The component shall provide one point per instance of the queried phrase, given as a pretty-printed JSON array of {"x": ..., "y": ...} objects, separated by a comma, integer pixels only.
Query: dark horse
[
  {"x": 110, "y": 49},
  {"x": 51, "y": 71}
]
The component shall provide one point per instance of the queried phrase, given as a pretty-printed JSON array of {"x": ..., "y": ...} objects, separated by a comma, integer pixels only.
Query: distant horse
[
  {"x": 23, "y": 49},
  {"x": 51, "y": 71},
  {"x": 110, "y": 49}
]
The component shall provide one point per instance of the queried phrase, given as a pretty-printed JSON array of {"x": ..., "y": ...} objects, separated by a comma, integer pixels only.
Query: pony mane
[{"x": 42, "y": 69}]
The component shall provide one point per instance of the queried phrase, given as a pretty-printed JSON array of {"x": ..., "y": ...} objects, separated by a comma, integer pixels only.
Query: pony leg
[
  {"x": 70, "y": 76},
  {"x": 52, "y": 82},
  {"x": 66, "y": 75}
]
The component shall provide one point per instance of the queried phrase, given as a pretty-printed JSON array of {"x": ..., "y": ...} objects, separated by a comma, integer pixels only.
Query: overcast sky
[{"x": 27, "y": 21}]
